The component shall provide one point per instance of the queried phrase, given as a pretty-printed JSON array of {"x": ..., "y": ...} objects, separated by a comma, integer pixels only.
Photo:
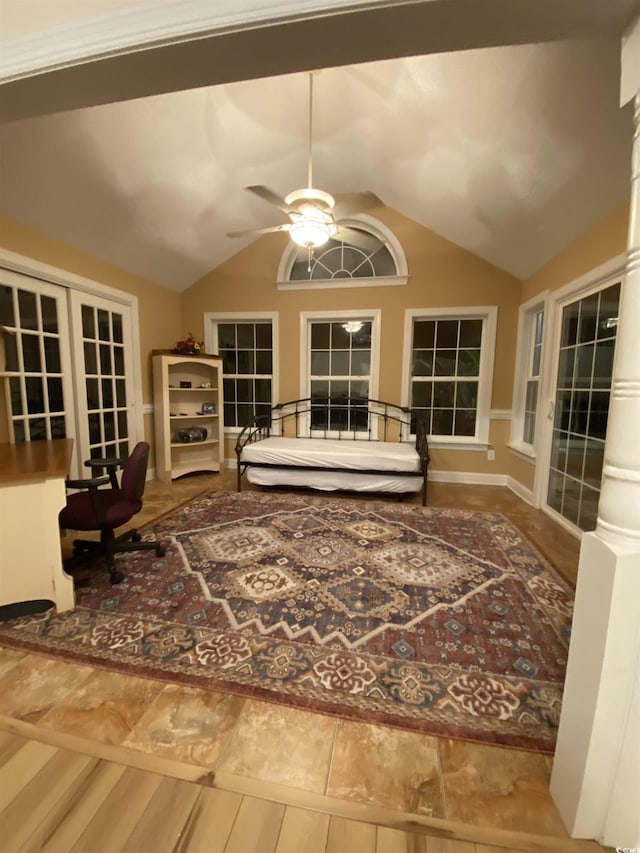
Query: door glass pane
[{"x": 582, "y": 405}]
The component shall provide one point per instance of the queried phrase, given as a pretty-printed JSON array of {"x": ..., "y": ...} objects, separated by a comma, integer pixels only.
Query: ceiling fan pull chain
[{"x": 310, "y": 249}]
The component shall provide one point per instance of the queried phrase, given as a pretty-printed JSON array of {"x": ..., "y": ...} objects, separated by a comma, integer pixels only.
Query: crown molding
[{"x": 150, "y": 24}]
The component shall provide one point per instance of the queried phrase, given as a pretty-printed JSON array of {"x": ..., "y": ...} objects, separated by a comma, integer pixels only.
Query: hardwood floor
[{"x": 85, "y": 764}]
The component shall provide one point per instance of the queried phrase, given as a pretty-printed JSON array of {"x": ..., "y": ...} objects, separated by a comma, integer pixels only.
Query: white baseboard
[
  {"x": 468, "y": 477},
  {"x": 521, "y": 491}
]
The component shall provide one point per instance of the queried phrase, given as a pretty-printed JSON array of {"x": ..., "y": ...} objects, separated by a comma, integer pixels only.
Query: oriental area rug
[{"x": 447, "y": 622}]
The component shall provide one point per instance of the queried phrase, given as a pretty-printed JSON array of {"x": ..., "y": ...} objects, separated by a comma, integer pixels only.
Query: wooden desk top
[{"x": 35, "y": 460}]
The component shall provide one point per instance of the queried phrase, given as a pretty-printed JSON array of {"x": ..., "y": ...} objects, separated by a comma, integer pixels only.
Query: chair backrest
[{"x": 134, "y": 473}]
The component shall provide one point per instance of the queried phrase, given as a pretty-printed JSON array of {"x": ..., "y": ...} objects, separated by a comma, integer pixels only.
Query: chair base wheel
[
  {"x": 160, "y": 552},
  {"x": 116, "y": 578},
  {"x": 135, "y": 537}
]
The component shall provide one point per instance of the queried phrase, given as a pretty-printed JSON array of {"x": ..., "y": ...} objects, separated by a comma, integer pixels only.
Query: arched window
[{"x": 371, "y": 256}]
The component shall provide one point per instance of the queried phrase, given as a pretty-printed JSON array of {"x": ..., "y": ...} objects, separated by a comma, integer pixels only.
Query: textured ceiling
[{"x": 511, "y": 152}]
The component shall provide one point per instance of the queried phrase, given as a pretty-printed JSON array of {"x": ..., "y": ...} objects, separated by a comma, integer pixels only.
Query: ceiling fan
[{"x": 316, "y": 216}]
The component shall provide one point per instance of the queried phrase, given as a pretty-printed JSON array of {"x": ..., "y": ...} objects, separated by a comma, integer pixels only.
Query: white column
[{"x": 595, "y": 781}]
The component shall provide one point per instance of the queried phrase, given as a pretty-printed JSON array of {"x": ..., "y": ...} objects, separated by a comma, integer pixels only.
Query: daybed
[{"x": 351, "y": 444}]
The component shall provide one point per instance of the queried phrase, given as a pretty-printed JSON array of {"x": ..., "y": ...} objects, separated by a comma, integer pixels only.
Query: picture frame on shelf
[{"x": 208, "y": 409}]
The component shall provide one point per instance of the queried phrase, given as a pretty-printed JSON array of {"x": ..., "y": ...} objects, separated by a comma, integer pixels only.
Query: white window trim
[
  {"x": 526, "y": 315},
  {"x": 367, "y": 314},
  {"x": 15, "y": 262},
  {"x": 211, "y": 320},
  {"x": 366, "y": 223},
  {"x": 489, "y": 315}
]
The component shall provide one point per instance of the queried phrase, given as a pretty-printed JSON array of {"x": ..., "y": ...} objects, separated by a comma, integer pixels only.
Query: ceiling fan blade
[
  {"x": 366, "y": 242},
  {"x": 270, "y": 197},
  {"x": 284, "y": 227},
  {"x": 349, "y": 203}
]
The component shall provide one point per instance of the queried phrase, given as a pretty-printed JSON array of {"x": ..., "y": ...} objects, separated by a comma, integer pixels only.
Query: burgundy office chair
[{"x": 105, "y": 510}]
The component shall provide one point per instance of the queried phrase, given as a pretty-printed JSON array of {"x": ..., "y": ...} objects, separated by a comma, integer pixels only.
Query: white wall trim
[
  {"x": 501, "y": 414},
  {"x": 521, "y": 491},
  {"x": 343, "y": 283},
  {"x": 470, "y": 477},
  {"x": 154, "y": 22}
]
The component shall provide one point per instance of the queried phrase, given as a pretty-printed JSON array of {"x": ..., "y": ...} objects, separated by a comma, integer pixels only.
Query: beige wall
[
  {"x": 441, "y": 275},
  {"x": 158, "y": 308},
  {"x": 606, "y": 240}
]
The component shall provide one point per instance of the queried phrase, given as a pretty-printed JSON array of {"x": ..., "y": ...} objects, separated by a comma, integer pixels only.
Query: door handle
[{"x": 550, "y": 413}]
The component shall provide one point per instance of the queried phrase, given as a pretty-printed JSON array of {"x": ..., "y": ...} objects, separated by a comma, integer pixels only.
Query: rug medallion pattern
[{"x": 442, "y": 621}]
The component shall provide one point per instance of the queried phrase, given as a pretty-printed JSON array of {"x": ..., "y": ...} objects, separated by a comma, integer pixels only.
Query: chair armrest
[
  {"x": 111, "y": 463},
  {"x": 93, "y": 483}
]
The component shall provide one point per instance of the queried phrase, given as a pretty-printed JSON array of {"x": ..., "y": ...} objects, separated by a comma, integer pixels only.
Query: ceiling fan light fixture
[{"x": 310, "y": 232}]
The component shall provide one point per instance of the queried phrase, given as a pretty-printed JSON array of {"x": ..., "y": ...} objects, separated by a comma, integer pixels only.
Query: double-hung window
[
  {"x": 449, "y": 363},
  {"x": 341, "y": 358},
  {"x": 528, "y": 375},
  {"x": 247, "y": 344}
]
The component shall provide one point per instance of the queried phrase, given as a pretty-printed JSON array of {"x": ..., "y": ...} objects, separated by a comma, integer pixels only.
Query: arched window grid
[{"x": 342, "y": 264}]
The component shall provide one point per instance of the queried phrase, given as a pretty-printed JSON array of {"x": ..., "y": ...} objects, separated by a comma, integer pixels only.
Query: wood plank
[
  {"x": 210, "y": 822},
  {"x": 119, "y": 754},
  {"x": 20, "y": 769},
  {"x": 350, "y": 835},
  {"x": 443, "y": 845},
  {"x": 163, "y": 820},
  {"x": 9, "y": 745},
  {"x": 37, "y": 799},
  {"x": 114, "y": 821},
  {"x": 63, "y": 826},
  {"x": 397, "y": 841},
  {"x": 303, "y": 830},
  {"x": 256, "y": 827}
]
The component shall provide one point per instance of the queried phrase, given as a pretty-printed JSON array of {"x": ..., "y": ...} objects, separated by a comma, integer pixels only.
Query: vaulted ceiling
[{"x": 510, "y": 151}]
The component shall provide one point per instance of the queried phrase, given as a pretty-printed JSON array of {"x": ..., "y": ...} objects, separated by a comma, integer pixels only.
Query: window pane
[
  {"x": 15, "y": 390},
  {"x": 422, "y": 363},
  {"x": 107, "y": 393},
  {"x": 56, "y": 400},
  {"x": 263, "y": 336},
  {"x": 27, "y": 306},
  {"x": 608, "y": 314},
  {"x": 471, "y": 333},
  {"x": 7, "y": 317},
  {"x": 340, "y": 364},
  {"x": 465, "y": 422},
  {"x": 49, "y": 314},
  {"x": 52, "y": 355},
  {"x": 105, "y": 358},
  {"x": 90, "y": 358},
  {"x": 226, "y": 336},
  {"x": 104, "y": 326},
  {"x": 264, "y": 361},
  {"x": 445, "y": 364},
  {"x": 421, "y": 394},
  {"x": 443, "y": 394},
  {"x": 424, "y": 334},
  {"x": 88, "y": 322},
  {"x": 229, "y": 390},
  {"x": 229, "y": 362},
  {"x": 589, "y": 318},
  {"x": 93, "y": 397},
  {"x": 245, "y": 361},
  {"x": 320, "y": 363},
  {"x": 466, "y": 395},
  {"x": 246, "y": 336},
  {"x": 340, "y": 338},
  {"x": 361, "y": 363},
  {"x": 31, "y": 353},
  {"x": 116, "y": 322},
  {"x": 469, "y": 362},
  {"x": 121, "y": 398},
  {"x": 442, "y": 422},
  {"x": 35, "y": 394},
  {"x": 447, "y": 334},
  {"x": 320, "y": 335}
]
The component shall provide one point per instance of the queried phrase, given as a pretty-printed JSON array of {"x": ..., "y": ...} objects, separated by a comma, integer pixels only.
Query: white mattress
[
  {"x": 329, "y": 481},
  {"x": 333, "y": 453}
]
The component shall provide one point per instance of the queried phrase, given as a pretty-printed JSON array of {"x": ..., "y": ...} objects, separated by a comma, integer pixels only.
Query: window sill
[{"x": 523, "y": 450}]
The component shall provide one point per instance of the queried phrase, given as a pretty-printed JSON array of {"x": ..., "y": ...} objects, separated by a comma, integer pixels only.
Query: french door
[
  {"x": 583, "y": 388},
  {"x": 66, "y": 365}
]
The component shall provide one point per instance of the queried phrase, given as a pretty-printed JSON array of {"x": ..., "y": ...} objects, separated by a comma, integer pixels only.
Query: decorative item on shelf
[
  {"x": 188, "y": 346},
  {"x": 191, "y": 434},
  {"x": 185, "y": 383},
  {"x": 208, "y": 409}
]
